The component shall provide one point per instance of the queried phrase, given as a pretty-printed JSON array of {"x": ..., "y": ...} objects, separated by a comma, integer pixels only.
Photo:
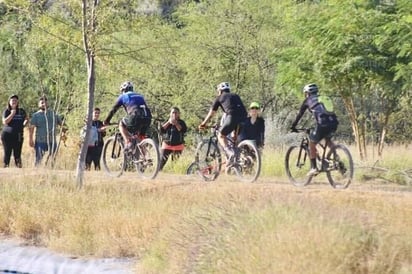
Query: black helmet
[
  {"x": 126, "y": 86},
  {"x": 310, "y": 89}
]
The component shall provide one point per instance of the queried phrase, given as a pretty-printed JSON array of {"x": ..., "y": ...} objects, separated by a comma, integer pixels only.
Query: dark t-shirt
[
  {"x": 98, "y": 124},
  {"x": 231, "y": 104},
  {"x": 172, "y": 136},
  {"x": 16, "y": 124},
  {"x": 254, "y": 131}
]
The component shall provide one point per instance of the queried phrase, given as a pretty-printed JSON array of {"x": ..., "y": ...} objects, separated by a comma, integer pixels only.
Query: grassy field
[{"x": 179, "y": 224}]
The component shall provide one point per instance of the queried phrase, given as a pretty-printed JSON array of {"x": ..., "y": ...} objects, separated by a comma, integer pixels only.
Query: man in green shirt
[{"x": 45, "y": 121}]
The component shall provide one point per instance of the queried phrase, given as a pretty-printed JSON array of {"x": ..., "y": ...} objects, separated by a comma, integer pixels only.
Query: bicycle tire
[
  {"x": 340, "y": 170},
  {"x": 193, "y": 168},
  {"x": 249, "y": 163},
  {"x": 113, "y": 157},
  {"x": 297, "y": 165},
  {"x": 209, "y": 160},
  {"x": 148, "y": 159}
]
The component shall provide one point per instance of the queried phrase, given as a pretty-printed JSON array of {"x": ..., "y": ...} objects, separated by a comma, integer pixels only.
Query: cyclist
[
  {"x": 326, "y": 122},
  {"x": 235, "y": 115},
  {"x": 138, "y": 117}
]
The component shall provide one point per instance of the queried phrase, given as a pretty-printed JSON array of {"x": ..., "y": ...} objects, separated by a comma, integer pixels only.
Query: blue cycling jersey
[{"x": 132, "y": 103}]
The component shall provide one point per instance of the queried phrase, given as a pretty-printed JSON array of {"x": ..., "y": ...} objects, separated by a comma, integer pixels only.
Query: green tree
[{"x": 342, "y": 53}]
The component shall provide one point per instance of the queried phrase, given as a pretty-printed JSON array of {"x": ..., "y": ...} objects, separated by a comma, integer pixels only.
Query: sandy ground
[{"x": 21, "y": 259}]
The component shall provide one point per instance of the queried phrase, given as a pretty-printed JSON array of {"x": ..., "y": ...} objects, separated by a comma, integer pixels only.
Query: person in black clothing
[
  {"x": 326, "y": 122},
  {"x": 94, "y": 151},
  {"x": 235, "y": 115},
  {"x": 254, "y": 128},
  {"x": 14, "y": 120},
  {"x": 173, "y": 131}
]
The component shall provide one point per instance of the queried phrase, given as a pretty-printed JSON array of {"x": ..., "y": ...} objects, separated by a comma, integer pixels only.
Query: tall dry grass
[{"x": 179, "y": 224}]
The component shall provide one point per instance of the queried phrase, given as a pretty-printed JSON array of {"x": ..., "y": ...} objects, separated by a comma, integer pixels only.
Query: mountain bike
[
  {"x": 208, "y": 163},
  {"x": 336, "y": 162},
  {"x": 143, "y": 156}
]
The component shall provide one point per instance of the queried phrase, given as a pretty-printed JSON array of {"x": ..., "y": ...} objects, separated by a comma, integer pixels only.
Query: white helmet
[
  {"x": 126, "y": 86},
  {"x": 311, "y": 89},
  {"x": 224, "y": 86}
]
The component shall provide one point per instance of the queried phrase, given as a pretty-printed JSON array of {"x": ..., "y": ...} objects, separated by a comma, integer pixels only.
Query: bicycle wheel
[
  {"x": 297, "y": 165},
  {"x": 209, "y": 160},
  {"x": 248, "y": 164},
  {"x": 340, "y": 167},
  {"x": 148, "y": 161},
  {"x": 193, "y": 168},
  {"x": 113, "y": 158}
]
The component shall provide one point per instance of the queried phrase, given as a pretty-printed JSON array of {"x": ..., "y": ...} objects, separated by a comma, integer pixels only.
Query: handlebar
[
  {"x": 298, "y": 130},
  {"x": 111, "y": 124},
  {"x": 215, "y": 127}
]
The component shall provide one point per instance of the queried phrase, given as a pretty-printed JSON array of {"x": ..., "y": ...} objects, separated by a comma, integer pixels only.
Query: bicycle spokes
[
  {"x": 248, "y": 162},
  {"x": 340, "y": 172},
  {"x": 297, "y": 165},
  {"x": 147, "y": 158}
]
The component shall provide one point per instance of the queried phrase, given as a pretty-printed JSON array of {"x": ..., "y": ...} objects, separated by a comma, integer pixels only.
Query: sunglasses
[{"x": 254, "y": 108}]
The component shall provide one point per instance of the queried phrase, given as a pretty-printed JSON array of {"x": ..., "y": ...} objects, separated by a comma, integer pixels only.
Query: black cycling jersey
[
  {"x": 231, "y": 104},
  {"x": 326, "y": 122},
  {"x": 321, "y": 115}
]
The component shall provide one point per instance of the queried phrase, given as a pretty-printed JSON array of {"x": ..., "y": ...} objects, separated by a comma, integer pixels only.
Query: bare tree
[{"x": 89, "y": 26}]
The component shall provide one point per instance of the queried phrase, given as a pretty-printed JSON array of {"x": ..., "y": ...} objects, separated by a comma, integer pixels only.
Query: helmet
[
  {"x": 224, "y": 86},
  {"x": 310, "y": 89},
  {"x": 126, "y": 86}
]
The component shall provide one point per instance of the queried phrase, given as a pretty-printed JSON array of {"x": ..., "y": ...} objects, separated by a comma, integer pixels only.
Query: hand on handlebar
[{"x": 202, "y": 126}]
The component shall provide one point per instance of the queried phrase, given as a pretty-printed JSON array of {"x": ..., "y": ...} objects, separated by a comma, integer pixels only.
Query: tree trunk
[
  {"x": 359, "y": 140},
  {"x": 89, "y": 27},
  {"x": 383, "y": 133}
]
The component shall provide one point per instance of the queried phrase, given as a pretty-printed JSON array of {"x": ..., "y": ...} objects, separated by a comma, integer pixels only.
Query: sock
[{"x": 313, "y": 163}]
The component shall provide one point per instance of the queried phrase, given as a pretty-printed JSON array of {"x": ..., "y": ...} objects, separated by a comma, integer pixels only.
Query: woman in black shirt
[{"x": 14, "y": 120}]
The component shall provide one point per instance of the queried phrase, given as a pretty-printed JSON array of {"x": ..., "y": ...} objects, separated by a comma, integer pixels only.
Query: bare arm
[
  {"x": 7, "y": 120},
  {"x": 208, "y": 117},
  {"x": 31, "y": 131}
]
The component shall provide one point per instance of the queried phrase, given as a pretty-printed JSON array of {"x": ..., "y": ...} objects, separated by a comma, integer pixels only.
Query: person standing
[
  {"x": 94, "y": 151},
  {"x": 44, "y": 122},
  {"x": 14, "y": 119},
  {"x": 173, "y": 131},
  {"x": 254, "y": 127}
]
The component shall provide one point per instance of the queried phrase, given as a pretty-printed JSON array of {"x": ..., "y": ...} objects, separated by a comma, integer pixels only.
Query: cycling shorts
[
  {"x": 229, "y": 124},
  {"x": 135, "y": 123},
  {"x": 321, "y": 132}
]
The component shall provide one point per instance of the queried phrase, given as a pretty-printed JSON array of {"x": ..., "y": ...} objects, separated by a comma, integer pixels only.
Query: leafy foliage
[{"x": 177, "y": 51}]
